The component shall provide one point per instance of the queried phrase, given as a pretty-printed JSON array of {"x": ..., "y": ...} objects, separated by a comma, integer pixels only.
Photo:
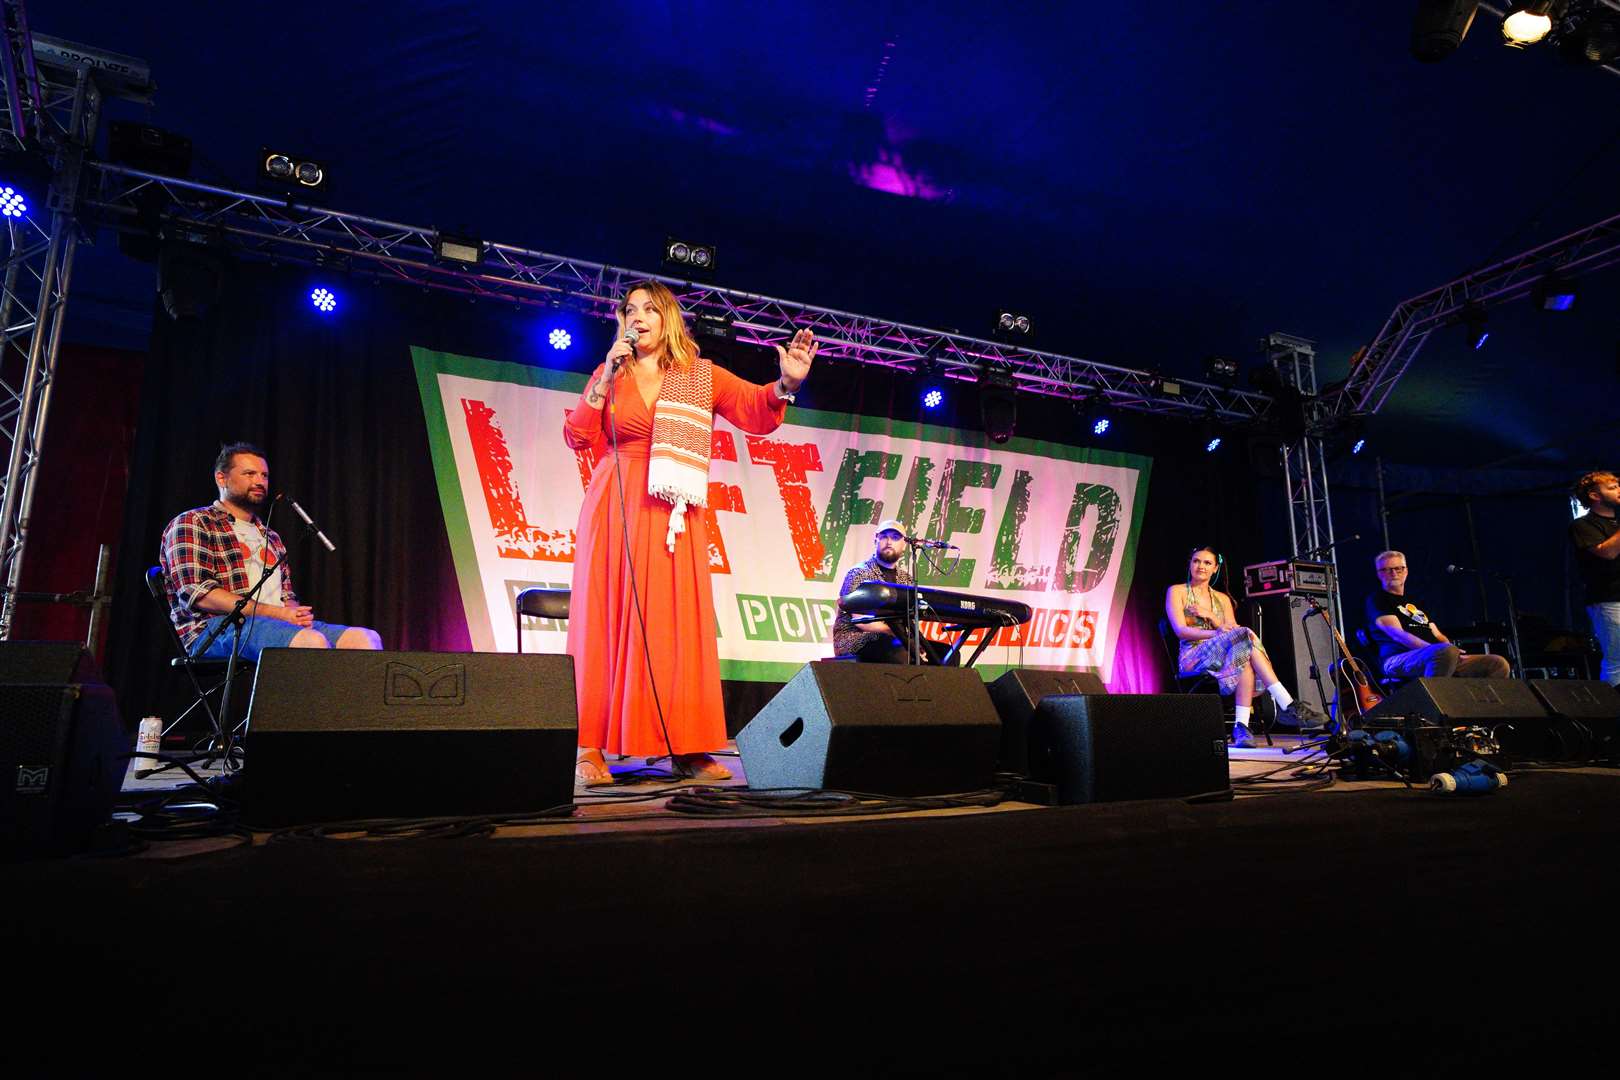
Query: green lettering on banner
[
  {"x": 846, "y": 508},
  {"x": 759, "y": 623},
  {"x": 822, "y": 615},
  {"x": 951, "y": 517},
  {"x": 1103, "y": 534},
  {"x": 793, "y": 619},
  {"x": 1006, "y": 572},
  {"x": 918, "y": 485}
]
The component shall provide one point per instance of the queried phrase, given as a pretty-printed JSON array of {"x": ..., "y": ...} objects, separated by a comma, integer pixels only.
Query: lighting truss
[
  {"x": 53, "y": 112},
  {"x": 264, "y": 227},
  {"x": 1304, "y": 464},
  {"x": 1389, "y": 355}
]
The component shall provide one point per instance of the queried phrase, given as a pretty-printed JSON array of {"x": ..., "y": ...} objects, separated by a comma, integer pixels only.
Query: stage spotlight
[
  {"x": 12, "y": 203},
  {"x": 1527, "y": 24},
  {"x": 1213, "y": 445},
  {"x": 933, "y": 398},
  {"x": 191, "y": 274},
  {"x": 1094, "y": 413},
  {"x": 560, "y": 339},
  {"x": 998, "y": 403},
  {"x": 1440, "y": 26},
  {"x": 1220, "y": 368},
  {"x": 1101, "y": 425},
  {"x": 1474, "y": 318},
  {"x": 1012, "y": 326},
  {"x": 687, "y": 255},
  {"x": 454, "y": 247},
  {"x": 291, "y": 171},
  {"x": 1359, "y": 445},
  {"x": 1595, "y": 41},
  {"x": 325, "y": 300},
  {"x": 1554, "y": 293}
]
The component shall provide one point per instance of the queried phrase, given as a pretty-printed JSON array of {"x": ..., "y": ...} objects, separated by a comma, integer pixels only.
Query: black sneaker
[{"x": 1304, "y": 716}]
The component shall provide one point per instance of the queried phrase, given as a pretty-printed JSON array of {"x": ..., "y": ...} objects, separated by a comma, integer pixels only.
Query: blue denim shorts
[{"x": 258, "y": 632}]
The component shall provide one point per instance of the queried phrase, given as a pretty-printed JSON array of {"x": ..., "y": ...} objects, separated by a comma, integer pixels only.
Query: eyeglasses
[{"x": 1392, "y": 569}]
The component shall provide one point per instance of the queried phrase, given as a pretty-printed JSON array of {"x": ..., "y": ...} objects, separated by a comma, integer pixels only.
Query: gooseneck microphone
[
  {"x": 919, "y": 542},
  {"x": 310, "y": 525}
]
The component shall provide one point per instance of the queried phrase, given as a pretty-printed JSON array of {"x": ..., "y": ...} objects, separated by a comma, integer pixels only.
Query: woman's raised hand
[{"x": 797, "y": 358}]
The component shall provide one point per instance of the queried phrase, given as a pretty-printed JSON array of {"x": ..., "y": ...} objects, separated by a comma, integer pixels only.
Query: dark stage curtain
[{"x": 334, "y": 403}]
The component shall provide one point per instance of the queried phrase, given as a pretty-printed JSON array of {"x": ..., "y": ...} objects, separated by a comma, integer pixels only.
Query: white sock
[
  {"x": 1242, "y": 714},
  {"x": 1280, "y": 695}
]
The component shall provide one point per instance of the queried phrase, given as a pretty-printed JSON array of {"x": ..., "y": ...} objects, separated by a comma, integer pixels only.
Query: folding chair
[
  {"x": 195, "y": 669},
  {"x": 539, "y": 603}
]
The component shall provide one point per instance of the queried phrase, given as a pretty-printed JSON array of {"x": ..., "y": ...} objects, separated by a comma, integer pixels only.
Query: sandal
[
  {"x": 590, "y": 770},
  {"x": 700, "y": 767}
]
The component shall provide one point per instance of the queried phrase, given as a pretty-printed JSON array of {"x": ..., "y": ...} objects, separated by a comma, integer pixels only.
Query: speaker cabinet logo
[
  {"x": 906, "y": 688},
  {"x": 33, "y": 781},
  {"x": 407, "y": 685}
]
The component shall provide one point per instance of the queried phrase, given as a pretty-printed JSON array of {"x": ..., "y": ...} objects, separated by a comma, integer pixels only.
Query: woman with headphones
[{"x": 1212, "y": 642}]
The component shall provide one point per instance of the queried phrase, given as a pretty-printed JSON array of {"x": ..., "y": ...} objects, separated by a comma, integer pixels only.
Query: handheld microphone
[
  {"x": 310, "y": 525},
  {"x": 631, "y": 336},
  {"x": 1453, "y": 568}
]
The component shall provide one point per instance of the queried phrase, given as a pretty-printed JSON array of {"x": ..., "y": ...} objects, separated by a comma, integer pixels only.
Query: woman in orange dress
[{"x": 641, "y": 625}]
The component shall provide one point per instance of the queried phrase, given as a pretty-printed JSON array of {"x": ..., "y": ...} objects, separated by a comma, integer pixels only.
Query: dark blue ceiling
[{"x": 1153, "y": 182}]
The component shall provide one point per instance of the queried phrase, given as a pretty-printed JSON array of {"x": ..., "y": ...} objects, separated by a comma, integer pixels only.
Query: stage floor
[{"x": 639, "y": 801}]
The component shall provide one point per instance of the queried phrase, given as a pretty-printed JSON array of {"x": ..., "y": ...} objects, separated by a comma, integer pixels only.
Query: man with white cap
[{"x": 880, "y": 642}]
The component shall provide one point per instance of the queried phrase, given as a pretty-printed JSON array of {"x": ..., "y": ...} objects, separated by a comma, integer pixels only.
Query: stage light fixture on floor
[
  {"x": 456, "y": 247},
  {"x": 687, "y": 255},
  {"x": 324, "y": 300},
  {"x": 1527, "y": 24},
  {"x": 1554, "y": 293},
  {"x": 560, "y": 339},
  {"x": 12, "y": 203},
  {"x": 1439, "y": 26},
  {"x": 1474, "y": 318},
  {"x": 291, "y": 171}
]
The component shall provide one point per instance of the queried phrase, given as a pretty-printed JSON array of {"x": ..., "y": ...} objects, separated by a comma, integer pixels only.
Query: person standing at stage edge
[
  {"x": 641, "y": 614},
  {"x": 1597, "y": 552}
]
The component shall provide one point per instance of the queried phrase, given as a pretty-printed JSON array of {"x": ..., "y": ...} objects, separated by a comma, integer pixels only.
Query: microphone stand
[
  {"x": 913, "y": 610},
  {"x": 1513, "y": 626}
]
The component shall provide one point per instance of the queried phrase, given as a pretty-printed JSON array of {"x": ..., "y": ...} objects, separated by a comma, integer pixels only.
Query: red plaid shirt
[{"x": 201, "y": 552}]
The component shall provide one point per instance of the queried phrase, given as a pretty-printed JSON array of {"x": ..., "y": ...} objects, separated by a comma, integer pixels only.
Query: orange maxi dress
[{"x": 616, "y": 677}]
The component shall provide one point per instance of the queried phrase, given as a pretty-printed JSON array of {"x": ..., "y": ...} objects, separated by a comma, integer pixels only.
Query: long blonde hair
[{"x": 677, "y": 349}]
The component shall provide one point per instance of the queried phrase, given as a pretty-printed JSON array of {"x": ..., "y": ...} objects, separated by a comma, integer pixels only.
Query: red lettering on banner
[
  {"x": 721, "y": 497},
  {"x": 515, "y": 538},
  {"x": 792, "y": 463},
  {"x": 586, "y": 458}
]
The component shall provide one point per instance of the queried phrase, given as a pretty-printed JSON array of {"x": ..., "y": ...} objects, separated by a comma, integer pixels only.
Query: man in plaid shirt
[
  {"x": 214, "y": 554},
  {"x": 878, "y": 642}
]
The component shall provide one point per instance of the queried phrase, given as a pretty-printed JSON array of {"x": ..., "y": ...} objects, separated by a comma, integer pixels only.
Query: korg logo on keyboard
[
  {"x": 407, "y": 685},
  {"x": 906, "y": 688}
]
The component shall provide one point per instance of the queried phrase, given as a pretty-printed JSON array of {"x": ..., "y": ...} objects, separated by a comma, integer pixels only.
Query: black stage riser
[
  {"x": 1016, "y": 694},
  {"x": 880, "y": 728},
  {"x": 342, "y": 734},
  {"x": 1118, "y": 747},
  {"x": 62, "y": 749}
]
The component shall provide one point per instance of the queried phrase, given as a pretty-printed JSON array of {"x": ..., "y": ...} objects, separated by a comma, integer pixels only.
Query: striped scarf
[{"x": 682, "y": 439}]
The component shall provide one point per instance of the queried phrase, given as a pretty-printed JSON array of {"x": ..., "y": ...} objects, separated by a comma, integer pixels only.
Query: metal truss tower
[
  {"x": 50, "y": 120},
  {"x": 1304, "y": 459}
]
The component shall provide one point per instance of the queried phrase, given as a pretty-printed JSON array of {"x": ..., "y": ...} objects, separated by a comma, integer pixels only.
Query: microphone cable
[{"x": 612, "y": 375}]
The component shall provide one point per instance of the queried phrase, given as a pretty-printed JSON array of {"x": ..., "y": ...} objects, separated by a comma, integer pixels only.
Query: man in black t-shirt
[
  {"x": 1596, "y": 537},
  {"x": 1409, "y": 644}
]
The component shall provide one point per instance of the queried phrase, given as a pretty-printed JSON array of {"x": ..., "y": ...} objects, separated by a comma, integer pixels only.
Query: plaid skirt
[{"x": 1224, "y": 656}]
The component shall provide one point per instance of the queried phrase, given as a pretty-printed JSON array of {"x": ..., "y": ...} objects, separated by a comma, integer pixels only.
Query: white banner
[{"x": 1051, "y": 525}]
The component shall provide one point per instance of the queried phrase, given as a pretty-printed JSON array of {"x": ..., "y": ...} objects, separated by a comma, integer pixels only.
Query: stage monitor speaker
[
  {"x": 1585, "y": 721},
  {"x": 1462, "y": 701},
  {"x": 1115, "y": 747},
  {"x": 1016, "y": 694},
  {"x": 62, "y": 749},
  {"x": 339, "y": 734},
  {"x": 1301, "y": 648},
  {"x": 882, "y": 728}
]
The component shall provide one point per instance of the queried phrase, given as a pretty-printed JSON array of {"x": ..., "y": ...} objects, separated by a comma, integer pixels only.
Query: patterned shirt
[
  {"x": 847, "y": 637},
  {"x": 201, "y": 553}
]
